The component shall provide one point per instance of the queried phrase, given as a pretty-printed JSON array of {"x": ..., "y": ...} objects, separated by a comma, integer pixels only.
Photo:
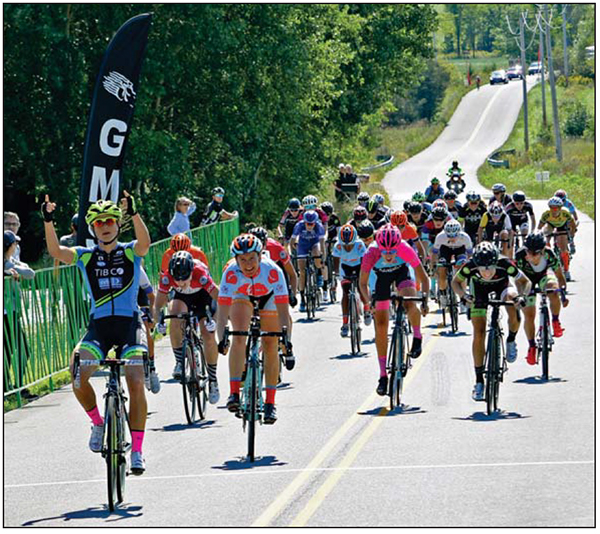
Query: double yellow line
[{"x": 315, "y": 502}]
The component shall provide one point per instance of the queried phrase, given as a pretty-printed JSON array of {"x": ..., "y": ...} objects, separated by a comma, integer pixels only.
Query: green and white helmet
[{"x": 102, "y": 209}]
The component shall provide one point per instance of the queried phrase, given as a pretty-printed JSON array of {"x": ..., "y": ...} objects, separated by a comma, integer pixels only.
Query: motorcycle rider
[{"x": 455, "y": 175}]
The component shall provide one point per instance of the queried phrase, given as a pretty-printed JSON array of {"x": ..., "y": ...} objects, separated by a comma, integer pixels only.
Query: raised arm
[
  {"x": 141, "y": 232},
  {"x": 58, "y": 252}
]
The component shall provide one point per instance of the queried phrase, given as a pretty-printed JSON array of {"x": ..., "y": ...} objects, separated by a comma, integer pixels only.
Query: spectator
[
  {"x": 214, "y": 210},
  {"x": 12, "y": 223},
  {"x": 347, "y": 186},
  {"x": 180, "y": 222},
  {"x": 12, "y": 266}
]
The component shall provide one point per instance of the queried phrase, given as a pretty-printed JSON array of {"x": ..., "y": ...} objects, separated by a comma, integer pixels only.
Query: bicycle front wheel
[
  {"x": 111, "y": 456},
  {"x": 354, "y": 327},
  {"x": 252, "y": 412},
  {"x": 122, "y": 461},
  {"x": 453, "y": 309},
  {"x": 189, "y": 383},
  {"x": 545, "y": 348},
  {"x": 491, "y": 374}
]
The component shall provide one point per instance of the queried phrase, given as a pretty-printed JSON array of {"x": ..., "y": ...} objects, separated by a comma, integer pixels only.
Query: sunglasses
[
  {"x": 15, "y": 224},
  {"x": 104, "y": 222},
  {"x": 309, "y": 224},
  {"x": 534, "y": 253},
  {"x": 388, "y": 252},
  {"x": 219, "y": 196}
]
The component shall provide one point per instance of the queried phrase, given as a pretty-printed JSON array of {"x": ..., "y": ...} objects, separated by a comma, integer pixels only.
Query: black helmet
[
  {"x": 294, "y": 204},
  {"x": 365, "y": 229},
  {"x": 327, "y": 207},
  {"x": 372, "y": 205},
  {"x": 75, "y": 220},
  {"x": 406, "y": 205},
  {"x": 535, "y": 241},
  {"x": 415, "y": 207},
  {"x": 450, "y": 195},
  {"x": 439, "y": 213},
  {"x": 360, "y": 213},
  {"x": 261, "y": 233},
  {"x": 519, "y": 196},
  {"x": 181, "y": 265},
  {"x": 455, "y": 163},
  {"x": 485, "y": 254},
  {"x": 363, "y": 196},
  {"x": 218, "y": 191}
]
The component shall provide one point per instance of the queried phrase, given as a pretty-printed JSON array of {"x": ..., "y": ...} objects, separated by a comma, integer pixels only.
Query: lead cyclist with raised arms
[{"x": 111, "y": 271}]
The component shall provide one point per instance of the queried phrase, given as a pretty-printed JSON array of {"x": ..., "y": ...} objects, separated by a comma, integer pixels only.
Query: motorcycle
[{"x": 456, "y": 182}]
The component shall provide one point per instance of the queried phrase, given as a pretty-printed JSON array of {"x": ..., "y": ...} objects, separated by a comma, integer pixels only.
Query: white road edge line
[{"x": 315, "y": 469}]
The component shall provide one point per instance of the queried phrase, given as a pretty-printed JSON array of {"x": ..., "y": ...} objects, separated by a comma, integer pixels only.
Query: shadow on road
[
  {"x": 405, "y": 409},
  {"x": 243, "y": 463},
  {"x": 284, "y": 386},
  {"x": 539, "y": 380},
  {"x": 483, "y": 417},
  {"x": 349, "y": 356},
  {"x": 309, "y": 321},
  {"x": 99, "y": 512},
  {"x": 176, "y": 427},
  {"x": 450, "y": 334}
]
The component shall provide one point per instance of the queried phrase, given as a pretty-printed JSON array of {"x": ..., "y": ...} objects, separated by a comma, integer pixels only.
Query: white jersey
[{"x": 461, "y": 240}]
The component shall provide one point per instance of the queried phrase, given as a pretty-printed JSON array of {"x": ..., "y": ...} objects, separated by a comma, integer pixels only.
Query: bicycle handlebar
[
  {"x": 111, "y": 362},
  {"x": 500, "y": 303}
]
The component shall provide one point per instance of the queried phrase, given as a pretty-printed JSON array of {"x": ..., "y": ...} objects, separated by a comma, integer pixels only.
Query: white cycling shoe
[
  {"x": 511, "y": 351},
  {"x": 138, "y": 465},
  {"x": 96, "y": 438},
  {"x": 478, "y": 392},
  {"x": 178, "y": 371},
  {"x": 368, "y": 318},
  {"x": 213, "y": 392}
]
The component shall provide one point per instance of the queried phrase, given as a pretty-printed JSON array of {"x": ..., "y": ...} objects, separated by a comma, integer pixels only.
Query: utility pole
[
  {"x": 542, "y": 63},
  {"x": 524, "y": 66},
  {"x": 552, "y": 86},
  {"x": 565, "y": 52}
]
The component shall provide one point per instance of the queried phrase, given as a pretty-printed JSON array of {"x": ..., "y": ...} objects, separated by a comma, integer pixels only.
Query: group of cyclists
[{"x": 385, "y": 251}]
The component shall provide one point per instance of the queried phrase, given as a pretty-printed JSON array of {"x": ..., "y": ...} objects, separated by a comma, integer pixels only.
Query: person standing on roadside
[
  {"x": 12, "y": 223},
  {"x": 180, "y": 222},
  {"x": 214, "y": 210}
]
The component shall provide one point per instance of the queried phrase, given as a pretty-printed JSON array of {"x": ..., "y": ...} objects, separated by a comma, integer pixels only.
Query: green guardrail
[{"x": 46, "y": 316}]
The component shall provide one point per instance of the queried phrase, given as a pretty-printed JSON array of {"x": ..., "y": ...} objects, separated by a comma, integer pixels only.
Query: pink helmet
[{"x": 388, "y": 237}]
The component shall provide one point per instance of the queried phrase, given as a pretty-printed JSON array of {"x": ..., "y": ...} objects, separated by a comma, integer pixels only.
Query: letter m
[{"x": 100, "y": 188}]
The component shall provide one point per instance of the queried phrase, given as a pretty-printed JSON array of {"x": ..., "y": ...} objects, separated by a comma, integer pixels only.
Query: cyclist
[
  {"x": 421, "y": 199},
  {"x": 195, "y": 291},
  {"x": 434, "y": 226},
  {"x": 146, "y": 299},
  {"x": 366, "y": 232},
  {"x": 455, "y": 178},
  {"x": 417, "y": 216},
  {"x": 542, "y": 267},
  {"x": 471, "y": 214},
  {"x": 348, "y": 252},
  {"x": 499, "y": 191},
  {"x": 253, "y": 277},
  {"x": 379, "y": 198},
  {"x": 178, "y": 243},
  {"x": 495, "y": 222},
  {"x": 558, "y": 219},
  {"x": 487, "y": 272},
  {"x": 520, "y": 211},
  {"x": 310, "y": 202},
  {"x": 568, "y": 204},
  {"x": 451, "y": 243},
  {"x": 290, "y": 217},
  {"x": 362, "y": 199},
  {"x": 408, "y": 231},
  {"x": 453, "y": 205},
  {"x": 111, "y": 271},
  {"x": 434, "y": 191},
  {"x": 333, "y": 225},
  {"x": 309, "y": 235},
  {"x": 375, "y": 213},
  {"x": 359, "y": 214},
  {"x": 390, "y": 259}
]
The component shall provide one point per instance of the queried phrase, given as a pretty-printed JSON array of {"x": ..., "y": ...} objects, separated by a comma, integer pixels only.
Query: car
[
  {"x": 515, "y": 73},
  {"x": 534, "y": 68},
  {"x": 498, "y": 76}
]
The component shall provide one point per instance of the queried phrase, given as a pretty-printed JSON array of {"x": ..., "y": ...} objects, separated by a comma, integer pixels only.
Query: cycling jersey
[
  {"x": 472, "y": 218},
  {"x": 570, "y": 206},
  {"x": 196, "y": 252},
  {"x": 277, "y": 252},
  {"x": 353, "y": 256},
  {"x": 288, "y": 221},
  {"x": 563, "y": 218},
  {"x": 333, "y": 225},
  {"x": 374, "y": 260},
  {"x": 144, "y": 290},
  {"x": 455, "y": 210},
  {"x": 322, "y": 215},
  {"x": 409, "y": 233},
  {"x": 305, "y": 235},
  {"x": 432, "y": 195},
  {"x": 201, "y": 280},
  {"x": 461, "y": 241},
  {"x": 491, "y": 226},
  {"x": 519, "y": 217},
  {"x": 535, "y": 273},
  {"x": 112, "y": 278}
]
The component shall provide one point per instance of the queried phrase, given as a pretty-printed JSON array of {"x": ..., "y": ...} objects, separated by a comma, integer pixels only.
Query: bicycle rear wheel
[
  {"x": 202, "y": 378},
  {"x": 491, "y": 375},
  {"x": 354, "y": 328},
  {"x": 392, "y": 364},
  {"x": 453, "y": 309},
  {"x": 111, "y": 457},
  {"x": 545, "y": 345},
  {"x": 252, "y": 412},
  {"x": 121, "y": 445},
  {"x": 189, "y": 383}
]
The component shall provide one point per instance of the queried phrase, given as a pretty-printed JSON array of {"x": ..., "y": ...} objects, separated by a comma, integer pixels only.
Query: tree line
[{"x": 258, "y": 98}]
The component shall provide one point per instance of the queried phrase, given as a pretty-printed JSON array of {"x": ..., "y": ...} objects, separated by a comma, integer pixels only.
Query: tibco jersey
[
  {"x": 276, "y": 251},
  {"x": 374, "y": 260},
  {"x": 144, "y": 290},
  {"x": 201, "y": 280},
  {"x": 112, "y": 278},
  {"x": 305, "y": 235},
  {"x": 268, "y": 280},
  {"x": 462, "y": 240},
  {"x": 352, "y": 257}
]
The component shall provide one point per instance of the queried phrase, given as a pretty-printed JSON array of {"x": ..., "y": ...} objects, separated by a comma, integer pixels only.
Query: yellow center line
[
  {"x": 302, "y": 518},
  {"x": 285, "y": 497}
]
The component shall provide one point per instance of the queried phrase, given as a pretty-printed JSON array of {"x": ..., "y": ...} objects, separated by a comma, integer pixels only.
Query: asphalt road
[{"x": 337, "y": 457}]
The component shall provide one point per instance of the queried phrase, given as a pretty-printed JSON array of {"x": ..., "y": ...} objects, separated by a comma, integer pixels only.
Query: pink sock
[
  {"x": 417, "y": 331},
  {"x": 382, "y": 362},
  {"x": 137, "y": 438},
  {"x": 95, "y": 416}
]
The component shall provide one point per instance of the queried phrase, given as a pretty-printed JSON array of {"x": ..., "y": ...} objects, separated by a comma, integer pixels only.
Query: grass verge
[{"x": 38, "y": 390}]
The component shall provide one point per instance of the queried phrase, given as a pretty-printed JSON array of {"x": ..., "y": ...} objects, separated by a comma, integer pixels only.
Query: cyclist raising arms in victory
[{"x": 111, "y": 271}]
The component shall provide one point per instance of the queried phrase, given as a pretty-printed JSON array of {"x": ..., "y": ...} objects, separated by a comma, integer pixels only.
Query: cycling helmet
[
  {"x": 363, "y": 197},
  {"x": 406, "y": 204},
  {"x": 327, "y": 207},
  {"x": 519, "y": 196},
  {"x": 418, "y": 197},
  {"x": 311, "y": 216},
  {"x": 360, "y": 213},
  {"x": 485, "y": 254},
  {"x": 495, "y": 209},
  {"x": 261, "y": 233},
  {"x": 245, "y": 243},
  {"x": 435, "y": 181},
  {"x": 439, "y": 213},
  {"x": 102, "y": 209},
  {"x": 450, "y": 195},
  {"x": 439, "y": 203},
  {"x": 555, "y": 202},
  {"x": 499, "y": 188},
  {"x": 561, "y": 193},
  {"x": 180, "y": 242},
  {"x": 310, "y": 202},
  {"x": 347, "y": 234},
  {"x": 372, "y": 205},
  {"x": 388, "y": 215},
  {"x": 398, "y": 218},
  {"x": 455, "y": 163},
  {"x": 181, "y": 265},
  {"x": 218, "y": 191},
  {"x": 75, "y": 220},
  {"x": 473, "y": 196},
  {"x": 365, "y": 229},
  {"x": 452, "y": 228},
  {"x": 377, "y": 197},
  {"x": 294, "y": 204},
  {"x": 535, "y": 241},
  {"x": 415, "y": 207},
  {"x": 388, "y": 237}
]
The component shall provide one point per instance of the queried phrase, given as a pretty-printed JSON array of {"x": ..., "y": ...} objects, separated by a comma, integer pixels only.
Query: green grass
[
  {"x": 575, "y": 173},
  {"x": 40, "y": 389}
]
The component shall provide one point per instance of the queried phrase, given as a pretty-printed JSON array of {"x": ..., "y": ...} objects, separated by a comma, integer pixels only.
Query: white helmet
[
  {"x": 452, "y": 228},
  {"x": 555, "y": 202},
  {"x": 495, "y": 209}
]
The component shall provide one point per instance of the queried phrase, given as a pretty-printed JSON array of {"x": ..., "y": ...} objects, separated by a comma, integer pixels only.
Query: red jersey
[
  {"x": 277, "y": 252},
  {"x": 201, "y": 280}
]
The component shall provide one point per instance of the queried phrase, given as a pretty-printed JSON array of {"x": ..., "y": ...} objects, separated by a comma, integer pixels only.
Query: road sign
[{"x": 543, "y": 176}]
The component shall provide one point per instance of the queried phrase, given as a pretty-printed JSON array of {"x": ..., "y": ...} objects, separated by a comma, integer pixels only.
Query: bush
[
  {"x": 576, "y": 120},
  {"x": 544, "y": 136}
]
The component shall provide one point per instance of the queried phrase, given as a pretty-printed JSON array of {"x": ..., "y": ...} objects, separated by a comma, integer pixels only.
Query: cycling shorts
[
  {"x": 482, "y": 292},
  {"x": 542, "y": 283},
  {"x": 126, "y": 334},
  {"x": 196, "y": 302},
  {"x": 447, "y": 253},
  {"x": 304, "y": 247},
  {"x": 349, "y": 271},
  {"x": 400, "y": 277}
]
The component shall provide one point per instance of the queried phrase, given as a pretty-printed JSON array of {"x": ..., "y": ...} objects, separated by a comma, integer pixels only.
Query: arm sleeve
[
  {"x": 407, "y": 253},
  {"x": 191, "y": 209},
  {"x": 435, "y": 249},
  {"x": 280, "y": 289},
  {"x": 370, "y": 259}
]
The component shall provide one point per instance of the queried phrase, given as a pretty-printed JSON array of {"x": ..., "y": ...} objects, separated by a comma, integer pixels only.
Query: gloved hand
[
  {"x": 128, "y": 204},
  {"x": 48, "y": 209},
  {"x": 161, "y": 328},
  {"x": 223, "y": 346},
  {"x": 468, "y": 299},
  {"x": 293, "y": 301},
  {"x": 520, "y": 303},
  {"x": 211, "y": 325}
]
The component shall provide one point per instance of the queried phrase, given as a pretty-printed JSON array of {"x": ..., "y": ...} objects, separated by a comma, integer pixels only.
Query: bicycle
[
  {"x": 313, "y": 297},
  {"x": 558, "y": 253},
  {"x": 544, "y": 339},
  {"x": 398, "y": 361},
  {"x": 354, "y": 316},
  {"x": 251, "y": 398},
  {"x": 194, "y": 376},
  {"x": 331, "y": 280},
  {"x": 495, "y": 359},
  {"x": 452, "y": 301},
  {"x": 114, "y": 444}
]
